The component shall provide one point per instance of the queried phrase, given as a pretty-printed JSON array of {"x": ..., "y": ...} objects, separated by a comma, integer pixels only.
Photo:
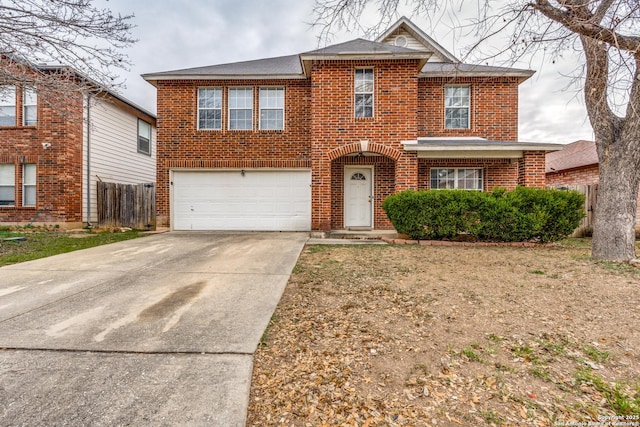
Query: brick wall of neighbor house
[
  {"x": 498, "y": 173},
  {"x": 333, "y": 123},
  {"x": 494, "y": 108},
  {"x": 182, "y": 145},
  {"x": 582, "y": 176},
  {"x": 578, "y": 176},
  {"x": 58, "y": 168}
]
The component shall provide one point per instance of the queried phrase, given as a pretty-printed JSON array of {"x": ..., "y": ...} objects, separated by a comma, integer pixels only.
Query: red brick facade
[
  {"x": 579, "y": 176},
  {"x": 56, "y": 146},
  {"x": 58, "y": 165},
  {"x": 322, "y": 133},
  {"x": 494, "y": 108},
  {"x": 182, "y": 145}
]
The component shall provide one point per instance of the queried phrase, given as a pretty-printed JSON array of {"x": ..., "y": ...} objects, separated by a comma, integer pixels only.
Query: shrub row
[{"x": 524, "y": 214}]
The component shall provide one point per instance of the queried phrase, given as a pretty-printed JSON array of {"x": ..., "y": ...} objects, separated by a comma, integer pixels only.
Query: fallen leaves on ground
[{"x": 448, "y": 336}]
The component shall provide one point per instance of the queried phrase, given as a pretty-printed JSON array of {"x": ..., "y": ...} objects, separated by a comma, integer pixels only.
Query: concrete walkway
[{"x": 154, "y": 331}]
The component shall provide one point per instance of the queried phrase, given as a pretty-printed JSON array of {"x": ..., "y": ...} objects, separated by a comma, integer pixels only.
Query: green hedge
[{"x": 524, "y": 214}]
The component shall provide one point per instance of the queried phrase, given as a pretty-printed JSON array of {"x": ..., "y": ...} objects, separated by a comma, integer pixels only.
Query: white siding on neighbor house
[{"x": 114, "y": 157}]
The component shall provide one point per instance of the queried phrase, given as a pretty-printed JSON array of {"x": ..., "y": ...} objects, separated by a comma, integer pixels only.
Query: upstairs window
[
  {"x": 457, "y": 101},
  {"x": 144, "y": 137},
  {"x": 7, "y": 105},
  {"x": 456, "y": 179},
  {"x": 241, "y": 108},
  {"x": 271, "y": 108},
  {"x": 363, "y": 85},
  {"x": 7, "y": 185},
  {"x": 29, "y": 184},
  {"x": 210, "y": 108},
  {"x": 29, "y": 107}
]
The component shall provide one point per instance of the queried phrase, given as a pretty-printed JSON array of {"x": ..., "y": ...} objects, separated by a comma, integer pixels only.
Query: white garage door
[{"x": 233, "y": 200}]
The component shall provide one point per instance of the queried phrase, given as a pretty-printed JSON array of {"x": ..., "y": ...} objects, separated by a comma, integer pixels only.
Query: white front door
[{"x": 358, "y": 197}]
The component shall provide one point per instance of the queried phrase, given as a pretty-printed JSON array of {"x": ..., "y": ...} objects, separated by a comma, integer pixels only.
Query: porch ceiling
[{"x": 474, "y": 148}]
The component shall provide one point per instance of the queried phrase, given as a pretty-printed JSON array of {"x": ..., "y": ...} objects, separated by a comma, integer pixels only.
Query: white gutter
[
  {"x": 474, "y": 148},
  {"x": 89, "y": 224},
  {"x": 154, "y": 77}
]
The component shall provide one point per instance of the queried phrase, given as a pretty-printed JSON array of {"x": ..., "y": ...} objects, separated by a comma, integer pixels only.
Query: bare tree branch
[
  {"x": 72, "y": 33},
  {"x": 580, "y": 20}
]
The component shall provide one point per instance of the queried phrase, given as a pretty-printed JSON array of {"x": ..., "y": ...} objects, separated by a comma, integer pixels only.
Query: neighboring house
[
  {"x": 317, "y": 140},
  {"x": 51, "y": 160},
  {"x": 576, "y": 164}
]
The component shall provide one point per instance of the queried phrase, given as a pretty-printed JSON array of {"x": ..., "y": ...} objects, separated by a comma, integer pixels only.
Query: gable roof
[
  {"x": 405, "y": 25},
  {"x": 362, "y": 49},
  {"x": 433, "y": 60},
  {"x": 575, "y": 155}
]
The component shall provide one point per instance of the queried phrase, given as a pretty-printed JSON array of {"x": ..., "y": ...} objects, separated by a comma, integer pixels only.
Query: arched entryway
[{"x": 362, "y": 176}]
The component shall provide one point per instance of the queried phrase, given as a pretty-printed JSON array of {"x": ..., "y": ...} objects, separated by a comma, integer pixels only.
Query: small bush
[{"x": 524, "y": 214}]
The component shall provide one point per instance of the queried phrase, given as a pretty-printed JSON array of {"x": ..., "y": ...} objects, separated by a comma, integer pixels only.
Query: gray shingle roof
[
  {"x": 280, "y": 66},
  {"x": 440, "y": 69},
  {"x": 298, "y": 66},
  {"x": 361, "y": 46}
]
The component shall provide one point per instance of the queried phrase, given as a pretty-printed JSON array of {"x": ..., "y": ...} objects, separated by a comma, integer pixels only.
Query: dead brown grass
[{"x": 439, "y": 336}]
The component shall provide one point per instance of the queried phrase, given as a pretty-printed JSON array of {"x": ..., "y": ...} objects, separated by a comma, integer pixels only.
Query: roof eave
[
  {"x": 350, "y": 56},
  {"x": 520, "y": 75},
  {"x": 476, "y": 149},
  {"x": 157, "y": 77},
  {"x": 99, "y": 88},
  {"x": 570, "y": 168},
  {"x": 306, "y": 59}
]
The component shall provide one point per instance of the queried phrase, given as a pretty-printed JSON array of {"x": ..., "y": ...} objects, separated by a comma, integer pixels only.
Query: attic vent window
[{"x": 400, "y": 41}]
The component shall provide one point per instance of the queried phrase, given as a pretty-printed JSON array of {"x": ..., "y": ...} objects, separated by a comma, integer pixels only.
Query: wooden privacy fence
[
  {"x": 127, "y": 205},
  {"x": 590, "y": 198}
]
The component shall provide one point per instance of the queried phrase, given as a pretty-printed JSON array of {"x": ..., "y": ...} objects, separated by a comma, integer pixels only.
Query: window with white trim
[
  {"x": 457, "y": 101},
  {"x": 363, "y": 89},
  {"x": 144, "y": 137},
  {"x": 457, "y": 178},
  {"x": 7, "y": 105},
  {"x": 241, "y": 108},
  {"x": 28, "y": 184},
  {"x": 29, "y": 107},
  {"x": 7, "y": 185},
  {"x": 209, "y": 108},
  {"x": 271, "y": 108}
]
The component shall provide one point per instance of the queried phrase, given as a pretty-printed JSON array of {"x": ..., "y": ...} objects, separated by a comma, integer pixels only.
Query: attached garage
[{"x": 254, "y": 200}]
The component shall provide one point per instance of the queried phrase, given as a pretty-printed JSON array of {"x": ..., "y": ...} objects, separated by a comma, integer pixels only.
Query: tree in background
[
  {"x": 49, "y": 44},
  {"x": 606, "y": 33}
]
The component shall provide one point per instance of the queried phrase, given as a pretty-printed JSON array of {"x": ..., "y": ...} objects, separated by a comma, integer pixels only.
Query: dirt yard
[{"x": 448, "y": 336}]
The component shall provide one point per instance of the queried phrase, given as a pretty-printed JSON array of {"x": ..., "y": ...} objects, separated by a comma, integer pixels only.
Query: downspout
[{"x": 89, "y": 224}]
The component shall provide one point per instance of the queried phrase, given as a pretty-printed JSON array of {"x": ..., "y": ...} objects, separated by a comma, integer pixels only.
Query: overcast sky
[{"x": 176, "y": 34}]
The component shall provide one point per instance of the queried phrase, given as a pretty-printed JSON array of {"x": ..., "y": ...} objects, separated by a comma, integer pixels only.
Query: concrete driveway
[{"x": 154, "y": 331}]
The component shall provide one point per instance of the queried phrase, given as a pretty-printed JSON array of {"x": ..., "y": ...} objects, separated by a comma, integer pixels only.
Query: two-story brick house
[
  {"x": 53, "y": 153},
  {"x": 317, "y": 140}
]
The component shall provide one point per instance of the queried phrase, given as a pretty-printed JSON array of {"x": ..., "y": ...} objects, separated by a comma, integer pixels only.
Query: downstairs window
[{"x": 457, "y": 178}]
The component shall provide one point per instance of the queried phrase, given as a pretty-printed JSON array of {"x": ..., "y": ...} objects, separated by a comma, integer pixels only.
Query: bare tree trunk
[
  {"x": 615, "y": 215},
  {"x": 618, "y": 145}
]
